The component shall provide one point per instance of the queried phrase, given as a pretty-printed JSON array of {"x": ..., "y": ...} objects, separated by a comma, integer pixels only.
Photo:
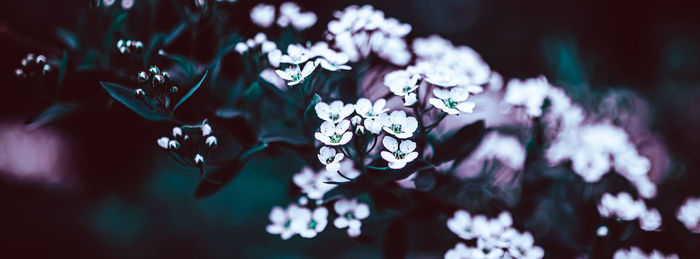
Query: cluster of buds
[
  {"x": 189, "y": 144},
  {"x": 156, "y": 95},
  {"x": 129, "y": 46},
  {"x": 32, "y": 66}
]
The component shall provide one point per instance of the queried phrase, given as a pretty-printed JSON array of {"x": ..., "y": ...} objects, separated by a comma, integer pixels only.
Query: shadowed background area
[{"x": 94, "y": 185}]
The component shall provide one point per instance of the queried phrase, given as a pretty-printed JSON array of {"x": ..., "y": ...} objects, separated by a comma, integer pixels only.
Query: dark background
[{"x": 125, "y": 199}]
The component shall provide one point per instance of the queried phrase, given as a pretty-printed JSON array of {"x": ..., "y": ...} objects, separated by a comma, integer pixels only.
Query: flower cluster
[
  {"x": 189, "y": 144},
  {"x": 316, "y": 184},
  {"x": 636, "y": 253},
  {"x": 129, "y": 46},
  {"x": 358, "y": 31},
  {"x": 263, "y": 15},
  {"x": 689, "y": 214},
  {"x": 301, "y": 61},
  {"x": 297, "y": 220},
  {"x": 33, "y": 66},
  {"x": 260, "y": 40},
  {"x": 125, "y": 4},
  {"x": 624, "y": 207},
  {"x": 156, "y": 95},
  {"x": 496, "y": 238}
]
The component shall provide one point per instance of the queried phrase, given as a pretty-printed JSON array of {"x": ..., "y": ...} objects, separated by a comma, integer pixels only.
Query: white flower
[
  {"x": 401, "y": 82},
  {"x": 127, "y": 4},
  {"x": 312, "y": 184},
  {"x": 333, "y": 61},
  {"x": 399, "y": 154},
  {"x": 374, "y": 126},
  {"x": 441, "y": 76},
  {"x": 622, "y": 206},
  {"x": 452, "y": 101},
  {"x": 689, "y": 214},
  {"x": 461, "y": 224},
  {"x": 460, "y": 251},
  {"x": 602, "y": 231},
  {"x": 530, "y": 93},
  {"x": 268, "y": 46},
  {"x": 271, "y": 77},
  {"x": 330, "y": 158},
  {"x": 173, "y": 144},
  {"x": 522, "y": 246},
  {"x": 177, "y": 132},
  {"x": 350, "y": 213},
  {"x": 260, "y": 38},
  {"x": 410, "y": 99},
  {"x": 636, "y": 253},
  {"x": 263, "y": 15},
  {"x": 365, "y": 108},
  {"x": 206, "y": 129},
  {"x": 294, "y": 75},
  {"x": 211, "y": 141},
  {"x": 398, "y": 124},
  {"x": 274, "y": 57},
  {"x": 309, "y": 223},
  {"x": 282, "y": 220},
  {"x": 163, "y": 142},
  {"x": 334, "y": 135},
  {"x": 303, "y": 21},
  {"x": 334, "y": 112},
  {"x": 296, "y": 54},
  {"x": 650, "y": 220}
]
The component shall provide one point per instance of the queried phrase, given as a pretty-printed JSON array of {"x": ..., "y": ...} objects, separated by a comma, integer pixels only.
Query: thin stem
[
  {"x": 374, "y": 143},
  {"x": 431, "y": 126}
]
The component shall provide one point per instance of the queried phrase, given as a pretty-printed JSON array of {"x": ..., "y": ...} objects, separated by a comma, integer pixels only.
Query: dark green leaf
[
  {"x": 62, "y": 67},
  {"x": 253, "y": 92},
  {"x": 396, "y": 241},
  {"x": 194, "y": 88},
  {"x": 316, "y": 99},
  {"x": 51, "y": 114},
  {"x": 347, "y": 191},
  {"x": 182, "y": 62},
  {"x": 127, "y": 97},
  {"x": 394, "y": 175},
  {"x": 253, "y": 150},
  {"x": 461, "y": 144},
  {"x": 68, "y": 38},
  {"x": 425, "y": 180},
  {"x": 218, "y": 178}
]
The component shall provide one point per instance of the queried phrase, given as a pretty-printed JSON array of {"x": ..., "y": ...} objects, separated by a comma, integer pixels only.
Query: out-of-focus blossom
[
  {"x": 263, "y": 15},
  {"x": 636, "y": 253},
  {"x": 350, "y": 213},
  {"x": 529, "y": 93},
  {"x": 296, "y": 54},
  {"x": 401, "y": 82},
  {"x": 281, "y": 221},
  {"x": 270, "y": 76},
  {"x": 689, "y": 214},
  {"x": 309, "y": 223},
  {"x": 452, "y": 101},
  {"x": 626, "y": 208}
]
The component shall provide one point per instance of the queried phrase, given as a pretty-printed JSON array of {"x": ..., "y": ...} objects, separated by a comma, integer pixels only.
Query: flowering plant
[{"x": 416, "y": 134}]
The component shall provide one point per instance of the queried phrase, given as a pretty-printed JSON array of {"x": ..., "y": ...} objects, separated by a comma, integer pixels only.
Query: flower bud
[
  {"x": 359, "y": 130},
  {"x": 120, "y": 44},
  {"x": 602, "y": 231},
  {"x": 46, "y": 69},
  {"x": 128, "y": 43},
  {"x": 356, "y": 120},
  {"x": 138, "y": 45},
  {"x": 24, "y": 62},
  {"x": 142, "y": 77},
  {"x": 163, "y": 142},
  {"x": 177, "y": 132},
  {"x": 211, "y": 142},
  {"x": 165, "y": 74},
  {"x": 158, "y": 80},
  {"x": 206, "y": 129},
  {"x": 20, "y": 73},
  {"x": 174, "y": 89},
  {"x": 122, "y": 49},
  {"x": 198, "y": 159},
  {"x": 30, "y": 58},
  {"x": 41, "y": 59},
  {"x": 154, "y": 70},
  {"x": 173, "y": 144},
  {"x": 241, "y": 48},
  {"x": 140, "y": 93}
]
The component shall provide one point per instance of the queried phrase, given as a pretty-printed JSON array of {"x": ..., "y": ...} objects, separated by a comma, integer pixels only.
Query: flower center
[
  {"x": 406, "y": 89},
  {"x": 334, "y": 116},
  {"x": 349, "y": 215},
  {"x": 330, "y": 160},
  {"x": 396, "y": 128},
  {"x": 336, "y": 138},
  {"x": 398, "y": 154},
  {"x": 287, "y": 223},
  {"x": 312, "y": 224},
  {"x": 450, "y": 104}
]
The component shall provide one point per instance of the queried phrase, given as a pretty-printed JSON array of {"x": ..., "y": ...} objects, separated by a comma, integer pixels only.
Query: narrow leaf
[
  {"x": 62, "y": 67},
  {"x": 194, "y": 88},
  {"x": 127, "y": 97},
  {"x": 316, "y": 99},
  {"x": 51, "y": 114}
]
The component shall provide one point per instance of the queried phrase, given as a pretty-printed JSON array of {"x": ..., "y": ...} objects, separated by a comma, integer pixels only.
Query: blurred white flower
[
  {"x": 650, "y": 220},
  {"x": 335, "y": 112},
  {"x": 452, "y": 101},
  {"x": 602, "y": 231},
  {"x": 350, "y": 213},
  {"x": 689, "y": 214},
  {"x": 399, "y": 154},
  {"x": 296, "y": 54},
  {"x": 441, "y": 76},
  {"x": 636, "y": 253},
  {"x": 401, "y": 82},
  {"x": 290, "y": 12},
  {"x": 271, "y": 77},
  {"x": 410, "y": 99},
  {"x": 309, "y": 223},
  {"x": 311, "y": 183},
  {"x": 398, "y": 124},
  {"x": 127, "y": 4},
  {"x": 263, "y": 15},
  {"x": 294, "y": 75},
  {"x": 622, "y": 206},
  {"x": 333, "y": 61},
  {"x": 198, "y": 159},
  {"x": 330, "y": 158},
  {"x": 461, "y": 224},
  {"x": 460, "y": 251},
  {"x": 529, "y": 93},
  {"x": 334, "y": 135}
]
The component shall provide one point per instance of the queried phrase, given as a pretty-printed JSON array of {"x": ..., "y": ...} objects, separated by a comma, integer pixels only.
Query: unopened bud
[
  {"x": 140, "y": 93},
  {"x": 120, "y": 43},
  {"x": 41, "y": 59},
  {"x": 142, "y": 77},
  {"x": 154, "y": 70},
  {"x": 198, "y": 159},
  {"x": 24, "y": 62},
  {"x": 165, "y": 74},
  {"x": 359, "y": 130},
  {"x": 177, "y": 132},
  {"x": 46, "y": 69},
  {"x": 211, "y": 142},
  {"x": 30, "y": 57},
  {"x": 206, "y": 129},
  {"x": 158, "y": 80},
  {"x": 122, "y": 49},
  {"x": 173, "y": 144},
  {"x": 128, "y": 43},
  {"x": 20, "y": 73},
  {"x": 138, "y": 45},
  {"x": 163, "y": 142},
  {"x": 356, "y": 120},
  {"x": 173, "y": 89}
]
